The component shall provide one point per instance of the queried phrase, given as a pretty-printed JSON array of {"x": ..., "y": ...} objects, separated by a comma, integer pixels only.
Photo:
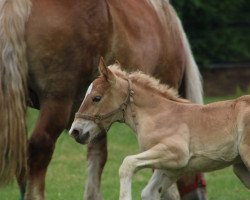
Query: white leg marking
[{"x": 160, "y": 185}]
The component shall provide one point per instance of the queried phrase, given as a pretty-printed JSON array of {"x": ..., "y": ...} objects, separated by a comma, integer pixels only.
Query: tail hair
[
  {"x": 13, "y": 88},
  {"x": 193, "y": 79}
]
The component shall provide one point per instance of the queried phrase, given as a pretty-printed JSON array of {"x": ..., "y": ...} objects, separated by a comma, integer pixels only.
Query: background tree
[{"x": 219, "y": 31}]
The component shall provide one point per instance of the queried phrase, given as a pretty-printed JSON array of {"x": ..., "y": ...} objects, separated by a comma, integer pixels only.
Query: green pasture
[{"x": 66, "y": 174}]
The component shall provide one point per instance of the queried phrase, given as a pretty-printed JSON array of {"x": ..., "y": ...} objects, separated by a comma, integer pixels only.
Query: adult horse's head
[{"x": 105, "y": 102}]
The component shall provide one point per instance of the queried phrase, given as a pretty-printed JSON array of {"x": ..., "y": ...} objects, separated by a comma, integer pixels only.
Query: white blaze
[{"x": 88, "y": 91}]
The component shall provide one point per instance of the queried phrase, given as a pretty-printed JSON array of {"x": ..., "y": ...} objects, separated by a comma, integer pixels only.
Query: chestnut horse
[
  {"x": 175, "y": 136},
  {"x": 49, "y": 54}
]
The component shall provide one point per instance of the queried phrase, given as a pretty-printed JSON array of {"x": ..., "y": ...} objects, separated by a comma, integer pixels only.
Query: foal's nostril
[{"x": 75, "y": 133}]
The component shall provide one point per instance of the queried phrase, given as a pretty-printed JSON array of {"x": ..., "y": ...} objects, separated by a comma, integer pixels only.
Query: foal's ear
[
  {"x": 118, "y": 63},
  {"x": 106, "y": 72}
]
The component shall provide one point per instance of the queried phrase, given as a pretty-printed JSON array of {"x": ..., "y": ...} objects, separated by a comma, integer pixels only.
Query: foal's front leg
[{"x": 160, "y": 156}]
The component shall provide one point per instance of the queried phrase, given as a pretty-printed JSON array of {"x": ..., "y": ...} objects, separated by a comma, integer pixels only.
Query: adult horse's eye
[{"x": 96, "y": 98}]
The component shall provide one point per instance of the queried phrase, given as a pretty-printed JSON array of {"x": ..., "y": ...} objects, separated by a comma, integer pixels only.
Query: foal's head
[{"x": 104, "y": 103}]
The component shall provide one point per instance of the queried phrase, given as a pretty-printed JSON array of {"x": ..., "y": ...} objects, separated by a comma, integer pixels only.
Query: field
[{"x": 66, "y": 174}]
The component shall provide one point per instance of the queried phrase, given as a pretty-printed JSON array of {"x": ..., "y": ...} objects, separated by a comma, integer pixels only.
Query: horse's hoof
[{"x": 198, "y": 194}]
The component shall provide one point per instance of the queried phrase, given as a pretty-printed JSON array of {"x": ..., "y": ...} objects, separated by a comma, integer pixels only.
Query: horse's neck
[{"x": 146, "y": 104}]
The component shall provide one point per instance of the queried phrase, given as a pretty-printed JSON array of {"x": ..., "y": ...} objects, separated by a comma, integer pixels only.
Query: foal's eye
[{"x": 96, "y": 98}]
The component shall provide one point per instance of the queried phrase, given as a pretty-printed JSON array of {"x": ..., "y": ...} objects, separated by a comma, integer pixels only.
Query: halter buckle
[{"x": 123, "y": 107}]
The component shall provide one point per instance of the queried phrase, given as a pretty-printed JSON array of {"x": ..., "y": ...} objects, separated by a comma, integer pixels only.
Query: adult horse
[{"x": 50, "y": 50}]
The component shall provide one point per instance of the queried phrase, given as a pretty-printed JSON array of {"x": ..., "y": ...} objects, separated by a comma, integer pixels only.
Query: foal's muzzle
[{"x": 79, "y": 136}]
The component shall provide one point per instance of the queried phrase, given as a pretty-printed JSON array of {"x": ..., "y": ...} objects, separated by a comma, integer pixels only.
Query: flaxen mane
[{"x": 150, "y": 82}]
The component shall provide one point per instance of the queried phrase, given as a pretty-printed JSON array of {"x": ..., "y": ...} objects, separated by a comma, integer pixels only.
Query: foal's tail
[{"x": 13, "y": 88}]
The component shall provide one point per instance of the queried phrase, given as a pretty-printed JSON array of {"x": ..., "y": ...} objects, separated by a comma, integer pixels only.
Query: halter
[{"x": 122, "y": 108}]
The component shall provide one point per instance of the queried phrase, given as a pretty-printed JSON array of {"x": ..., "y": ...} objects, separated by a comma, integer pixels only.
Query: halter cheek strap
[{"x": 98, "y": 119}]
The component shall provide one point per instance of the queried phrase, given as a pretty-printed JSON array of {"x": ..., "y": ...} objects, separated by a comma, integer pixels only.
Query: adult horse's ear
[{"x": 106, "y": 72}]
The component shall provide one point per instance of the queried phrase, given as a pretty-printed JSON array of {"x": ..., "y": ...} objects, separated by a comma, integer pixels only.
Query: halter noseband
[{"x": 122, "y": 108}]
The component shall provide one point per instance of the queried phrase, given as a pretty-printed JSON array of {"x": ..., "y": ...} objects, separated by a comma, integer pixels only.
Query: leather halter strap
[{"x": 122, "y": 108}]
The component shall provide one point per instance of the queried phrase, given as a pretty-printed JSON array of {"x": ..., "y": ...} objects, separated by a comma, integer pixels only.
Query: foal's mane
[{"x": 149, "y": 82}]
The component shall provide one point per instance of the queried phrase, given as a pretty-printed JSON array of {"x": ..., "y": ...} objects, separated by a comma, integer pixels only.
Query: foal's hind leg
[
  {"x": 97, "y": 157},
  {"x": 244, "y": 143},
  {"x": 243, "y": 170},
  {"x": 243, "y": 174},
  {"x": 52, "y": 120}
]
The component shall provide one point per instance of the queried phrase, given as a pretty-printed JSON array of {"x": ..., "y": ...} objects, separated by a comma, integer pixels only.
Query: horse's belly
[{"x": 205, "y": 164}]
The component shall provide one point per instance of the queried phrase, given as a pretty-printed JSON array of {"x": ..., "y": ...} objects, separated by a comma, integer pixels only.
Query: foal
[{"x": 175, "y": 136}]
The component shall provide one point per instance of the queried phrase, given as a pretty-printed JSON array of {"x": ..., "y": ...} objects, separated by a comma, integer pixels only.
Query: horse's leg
[
  {"x": 53, "y": 117},
  {"x": 242, "y": 173},
  {"x": 244, "y": 143},
  {"x": 21, "y": 180},
  {"x": 97, "y": 157},
  {"x": 162, "y": 155},
  {"x": 243, "y": 170},
  {"x": 157, "y": 185},
  {"x": 172, "y": 193},
  {"x": 192, "y": 187}
]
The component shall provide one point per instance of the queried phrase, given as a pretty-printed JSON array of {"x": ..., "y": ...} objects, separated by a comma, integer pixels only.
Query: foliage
[{"x": 219, "y": 31}]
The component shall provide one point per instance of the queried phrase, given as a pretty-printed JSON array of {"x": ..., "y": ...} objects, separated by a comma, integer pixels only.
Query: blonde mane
[{"x": 149, "y": 82}]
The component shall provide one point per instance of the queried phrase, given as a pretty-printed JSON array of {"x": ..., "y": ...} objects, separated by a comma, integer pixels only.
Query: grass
[{"x": 66, "y": 174}]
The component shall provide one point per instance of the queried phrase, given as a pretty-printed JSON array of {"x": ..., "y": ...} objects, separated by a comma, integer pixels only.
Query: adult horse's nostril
[{"x": 75, "y": 133}]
